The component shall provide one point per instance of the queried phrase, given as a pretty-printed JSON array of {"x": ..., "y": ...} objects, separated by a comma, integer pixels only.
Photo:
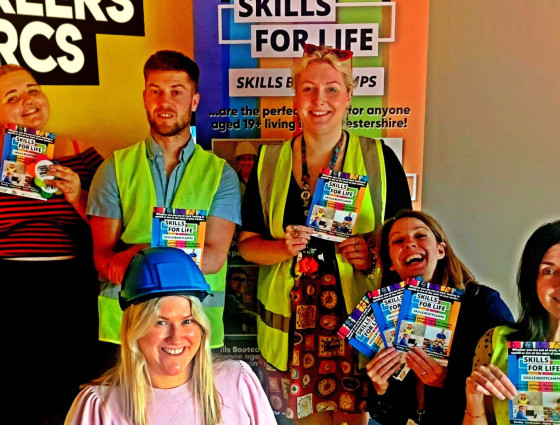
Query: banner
[
  {"x": 245, "y": 49},
  {"x": 57, "y": 42},
  {"x": 93, "y": 77}
]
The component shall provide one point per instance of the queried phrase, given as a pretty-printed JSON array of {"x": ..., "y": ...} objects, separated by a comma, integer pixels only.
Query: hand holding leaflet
[{"x": 336, "y": 204}]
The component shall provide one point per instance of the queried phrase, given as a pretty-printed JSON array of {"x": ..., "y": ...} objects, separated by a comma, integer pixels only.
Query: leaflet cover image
[
  {"x": 26, "y": 157},
  {"x": 336, "y": 204},
  {"x": 180, "y": 228},
  {"x": 386, "y": 303},
  {"x": 427, "y": 319},
  {"x": 534, "y": 370},
  {"x": 361, "y": 330}
]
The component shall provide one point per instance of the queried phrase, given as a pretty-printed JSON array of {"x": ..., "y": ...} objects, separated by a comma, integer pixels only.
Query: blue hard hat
[{"x": 158, "y": 272}]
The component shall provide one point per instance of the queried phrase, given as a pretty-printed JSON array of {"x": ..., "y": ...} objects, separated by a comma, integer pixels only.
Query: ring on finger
[
  {"x": 356, "y": 241},
  {"x": 423, "y": 372},
  {"x": 359, "y": 255},
  {"x": 296, "y": 234},
  {"x": 356, "y": 248},
  {"x": 295, "y": 228}
]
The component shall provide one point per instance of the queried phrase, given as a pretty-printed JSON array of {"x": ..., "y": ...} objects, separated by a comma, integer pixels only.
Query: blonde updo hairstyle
[{"x": 322, "y": 55}]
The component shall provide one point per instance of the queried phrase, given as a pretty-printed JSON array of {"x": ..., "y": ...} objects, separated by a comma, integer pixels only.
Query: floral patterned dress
[{"x": 323, "y": 373}]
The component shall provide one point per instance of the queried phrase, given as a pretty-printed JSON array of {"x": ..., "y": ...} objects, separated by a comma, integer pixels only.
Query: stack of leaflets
[
  {"x": 427, "y": 319},
  {"x": 386, "y": 308},
  {"x": 26, "y": 157},
  {"x": 180, "y": 228},
  {"x": 361, "y": 329},
  {"x": 534, "y": 370},
  {"x": 336, "y": 204},
  {"x": 406, "y": 314},
  {"x": 372, "y": 324}
]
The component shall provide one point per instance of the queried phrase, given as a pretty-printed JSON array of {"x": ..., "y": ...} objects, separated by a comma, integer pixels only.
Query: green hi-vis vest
[
  {"x": 500, "y": 359},
  {"x": 363, "y": 156},
  {"x": 138, "y": 198}
]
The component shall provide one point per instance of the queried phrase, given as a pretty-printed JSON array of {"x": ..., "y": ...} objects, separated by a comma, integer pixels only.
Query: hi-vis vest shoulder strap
[
  {"x": 138, "y": 197},
  {"x": 279, "y": 157},
  {"x": 363, "y": 156},
  {"x": 500, "y": 359}
]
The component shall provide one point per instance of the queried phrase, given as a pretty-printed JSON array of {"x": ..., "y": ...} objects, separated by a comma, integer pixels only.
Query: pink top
[{"x": 243, "y": 402}]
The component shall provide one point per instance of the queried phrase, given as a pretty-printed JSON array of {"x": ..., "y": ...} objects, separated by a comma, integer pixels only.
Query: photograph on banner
[
  {"x": 241, "y": 154},
  {"x": 240, "y": 309},
  {"x": 240, "y": 314},
  {"x": 255, "y": 45}
]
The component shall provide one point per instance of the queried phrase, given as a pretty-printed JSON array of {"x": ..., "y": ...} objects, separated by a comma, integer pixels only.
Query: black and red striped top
[{"x": 36, "y": 228}]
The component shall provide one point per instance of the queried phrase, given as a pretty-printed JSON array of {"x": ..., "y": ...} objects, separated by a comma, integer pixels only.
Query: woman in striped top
[{"x": 46, "y": 262}]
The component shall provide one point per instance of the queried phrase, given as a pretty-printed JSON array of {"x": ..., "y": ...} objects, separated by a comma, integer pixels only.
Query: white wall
[{"x": 492, "y": 146}]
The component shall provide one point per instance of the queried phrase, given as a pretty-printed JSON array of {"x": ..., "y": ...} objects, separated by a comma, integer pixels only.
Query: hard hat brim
[{"x": 201, "y": 295}]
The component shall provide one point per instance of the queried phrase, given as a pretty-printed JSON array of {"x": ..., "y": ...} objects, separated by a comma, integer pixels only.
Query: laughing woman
[
  {"x": 413, "y": 244},
  {"x": 310, "y": 374}
]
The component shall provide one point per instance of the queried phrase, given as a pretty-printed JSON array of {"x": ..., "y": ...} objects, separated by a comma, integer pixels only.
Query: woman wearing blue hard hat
[{"x": 165, "y": 373}]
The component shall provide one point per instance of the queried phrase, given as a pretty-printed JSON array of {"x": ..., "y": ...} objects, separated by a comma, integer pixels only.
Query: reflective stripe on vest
[
  {"x": 363, "y": 156},
  {"x": 138, "y": 197},
  {"x": 500, "y": 359}
]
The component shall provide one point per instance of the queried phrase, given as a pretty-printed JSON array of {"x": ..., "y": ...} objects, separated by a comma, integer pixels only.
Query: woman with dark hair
[
  {"x": 413, "y": 244},
  {"x": 538, "y": 283}
]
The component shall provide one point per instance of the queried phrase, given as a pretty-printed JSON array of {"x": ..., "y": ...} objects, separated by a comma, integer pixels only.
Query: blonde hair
[
  {"x": 345, "y": 67},
  {"x": 131, "y": 376}
]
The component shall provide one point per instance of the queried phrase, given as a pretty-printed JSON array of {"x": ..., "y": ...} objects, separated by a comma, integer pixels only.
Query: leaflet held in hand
[
  {"x": 180, "y": 228},
  {"x": 371, "y": 326},
  {"x": 427, "y": 319},
  {"x": 336, "y": 204},
  {"x": 26, "y": 157},
  {"x": 534, "y": 370},
  {"x": 386, "y": 305},
  {"x": 361, "y": 329}
]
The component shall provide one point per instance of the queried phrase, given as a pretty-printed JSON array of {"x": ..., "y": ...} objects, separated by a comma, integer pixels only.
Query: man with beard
[{"x": 166, "y": 170}]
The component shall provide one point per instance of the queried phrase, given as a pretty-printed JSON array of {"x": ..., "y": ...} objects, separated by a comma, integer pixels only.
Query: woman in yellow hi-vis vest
[
  {"x": 538, "y": 283},
  {"x": 307, "y": 286}
]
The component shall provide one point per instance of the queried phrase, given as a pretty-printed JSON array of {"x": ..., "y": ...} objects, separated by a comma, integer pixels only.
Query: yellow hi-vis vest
[
  {"x": 363, "y": 156},
  {"x": 500, "y": 359},
  {"x": 138, "y": 198}
]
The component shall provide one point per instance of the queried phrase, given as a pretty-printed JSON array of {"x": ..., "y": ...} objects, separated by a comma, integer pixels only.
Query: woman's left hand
[
  {"x": 426, "y": 368},
  {"x": 68, "y": 181},
  {"x": 356, "y": 251}
]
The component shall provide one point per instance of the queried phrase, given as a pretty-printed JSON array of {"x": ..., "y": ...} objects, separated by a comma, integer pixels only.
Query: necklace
[{"x": 305, "y": 194}]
